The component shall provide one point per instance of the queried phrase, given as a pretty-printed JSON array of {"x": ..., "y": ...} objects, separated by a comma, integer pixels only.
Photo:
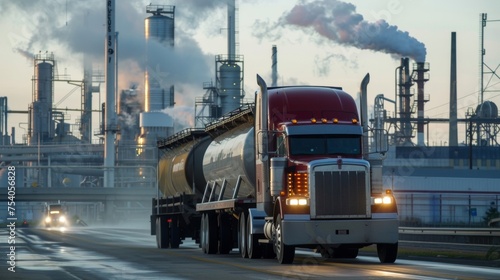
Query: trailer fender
[{"x": 257, "y": 218}]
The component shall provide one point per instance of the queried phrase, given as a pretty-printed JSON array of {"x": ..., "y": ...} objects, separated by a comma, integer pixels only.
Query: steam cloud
[
  {"x": 78, "y": 28},
  {"x": 339, "y": 22}
]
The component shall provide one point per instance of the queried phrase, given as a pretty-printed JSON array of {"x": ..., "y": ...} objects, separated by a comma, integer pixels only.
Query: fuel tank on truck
[
  {"x": 180, "y": 169},
  {"x": 230, "y": 156}
]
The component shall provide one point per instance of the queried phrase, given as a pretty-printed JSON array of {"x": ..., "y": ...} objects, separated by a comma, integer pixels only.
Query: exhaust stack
[
  {"x": 274, "y": 66},
  {"x": 364, "y": 113}
]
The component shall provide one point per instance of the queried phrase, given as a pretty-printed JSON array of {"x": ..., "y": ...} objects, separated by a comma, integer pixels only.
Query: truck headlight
[
  {"x": 297, "y": 201},
  {"x": 382, "y": 200},
  {"x": 62, "y": 219},
  {"x": 48, "y": 219}
]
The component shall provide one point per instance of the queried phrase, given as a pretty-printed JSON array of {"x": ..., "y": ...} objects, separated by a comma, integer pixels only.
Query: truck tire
[
  {"x": 161, "y": 233},
  {"x": 203, "y": 233},
  {"x": 211, "y": 233},
  {"x": 242, "y": 236},
  {"x": 254, "y": 250},
  {"x": 174, "y": 238},
  {"x": 225, "y": 234},
  {"x": 387, "y": 253},
  {"x": 284, "y": 253}
]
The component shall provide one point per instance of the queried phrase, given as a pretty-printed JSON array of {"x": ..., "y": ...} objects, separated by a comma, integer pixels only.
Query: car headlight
[
  {"x": 48, "y": 219},
  {"x": 62, "y": 219}
]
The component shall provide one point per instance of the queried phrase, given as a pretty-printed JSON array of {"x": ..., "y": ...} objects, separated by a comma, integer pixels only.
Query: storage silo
[{"x": 158, "y": 28}]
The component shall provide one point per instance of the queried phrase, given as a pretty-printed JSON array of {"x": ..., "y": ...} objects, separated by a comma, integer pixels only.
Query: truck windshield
[{"x": 325, "y": 145}]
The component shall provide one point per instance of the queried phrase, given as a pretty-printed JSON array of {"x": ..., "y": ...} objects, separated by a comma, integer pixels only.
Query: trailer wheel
[
  {"x": 211, "y": 233},
  {"x": 254, "y": 250},
  {"x": 387, "y": 253},
  {"x": 242, "y": 236},
  {"x": 161, "y": 233},
  {"x": 284, "y": 253},
  {"x": 175, "y": 239},
  {"x": 225, "y": 238}
]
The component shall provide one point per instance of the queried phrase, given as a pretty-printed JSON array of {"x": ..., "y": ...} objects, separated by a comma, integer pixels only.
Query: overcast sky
[{"x": 323, "y": 42}]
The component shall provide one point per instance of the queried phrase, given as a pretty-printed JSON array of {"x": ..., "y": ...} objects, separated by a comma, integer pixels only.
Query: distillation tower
[{"x": 227, "y": 93}]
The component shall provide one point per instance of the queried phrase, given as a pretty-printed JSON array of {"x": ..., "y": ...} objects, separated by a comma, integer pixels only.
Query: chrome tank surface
[
  {"x": 229, "y": 156},
  {"x": 180, "y": 169}
]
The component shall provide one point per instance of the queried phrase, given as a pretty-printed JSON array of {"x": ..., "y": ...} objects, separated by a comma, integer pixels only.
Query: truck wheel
[
  {"x": 387, "y": 253},
  {"x": 211, "y": 233},
  {"x": 161, "y": 233},
  {"x": 225, "y": 238},
  {"x": 284, "y": 253},
  {"x": 253, "y": 247},
  {"x": 203, "y": 233},
  {"x": 242, "y": 236},
  {"x": 175, "y": 239}
]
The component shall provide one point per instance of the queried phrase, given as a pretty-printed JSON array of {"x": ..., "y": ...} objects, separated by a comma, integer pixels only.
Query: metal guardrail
[{"x": 492, "y": 232}]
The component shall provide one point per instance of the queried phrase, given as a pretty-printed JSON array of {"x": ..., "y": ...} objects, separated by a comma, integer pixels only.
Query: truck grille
[{"x": 339, "y": 194}]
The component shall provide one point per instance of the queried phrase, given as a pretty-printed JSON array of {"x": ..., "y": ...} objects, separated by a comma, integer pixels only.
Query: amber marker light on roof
[
  {"x": 294, "y": 121},
  {"x": 354, "y": 121},
  {"x": 335, "y": 120},
  {"x": 313, "y": 120},
  {"x": 323, "y": 120}
]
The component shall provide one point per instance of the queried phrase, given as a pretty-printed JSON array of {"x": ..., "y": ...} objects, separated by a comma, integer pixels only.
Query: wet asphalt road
[{"x": 128, "y": 253}]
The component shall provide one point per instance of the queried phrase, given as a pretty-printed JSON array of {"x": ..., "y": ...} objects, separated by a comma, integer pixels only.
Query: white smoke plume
[{"x": 339, "y": 22}]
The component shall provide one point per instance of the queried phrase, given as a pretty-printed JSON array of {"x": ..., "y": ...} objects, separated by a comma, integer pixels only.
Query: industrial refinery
[{"x": 110, "y": 172}]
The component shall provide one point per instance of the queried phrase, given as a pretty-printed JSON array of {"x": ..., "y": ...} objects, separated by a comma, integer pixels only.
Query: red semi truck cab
[
  {"x": 323, "y": 192},
  {"x": 293, "y": 170}
]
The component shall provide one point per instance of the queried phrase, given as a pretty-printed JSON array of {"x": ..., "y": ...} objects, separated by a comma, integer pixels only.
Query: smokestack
[
  {"x": 110, "y": 78},
  {"x": 421, "y": 68},
  {"x": 274, "y": 66},
  {"x": 453, "y": 137},
  {"x": 231, "y": 29},
  {"x": 405, "y": 102}
]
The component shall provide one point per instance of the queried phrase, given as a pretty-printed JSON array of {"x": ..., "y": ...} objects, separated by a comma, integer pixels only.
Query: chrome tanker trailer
[{"x": 292, "y": 170}]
